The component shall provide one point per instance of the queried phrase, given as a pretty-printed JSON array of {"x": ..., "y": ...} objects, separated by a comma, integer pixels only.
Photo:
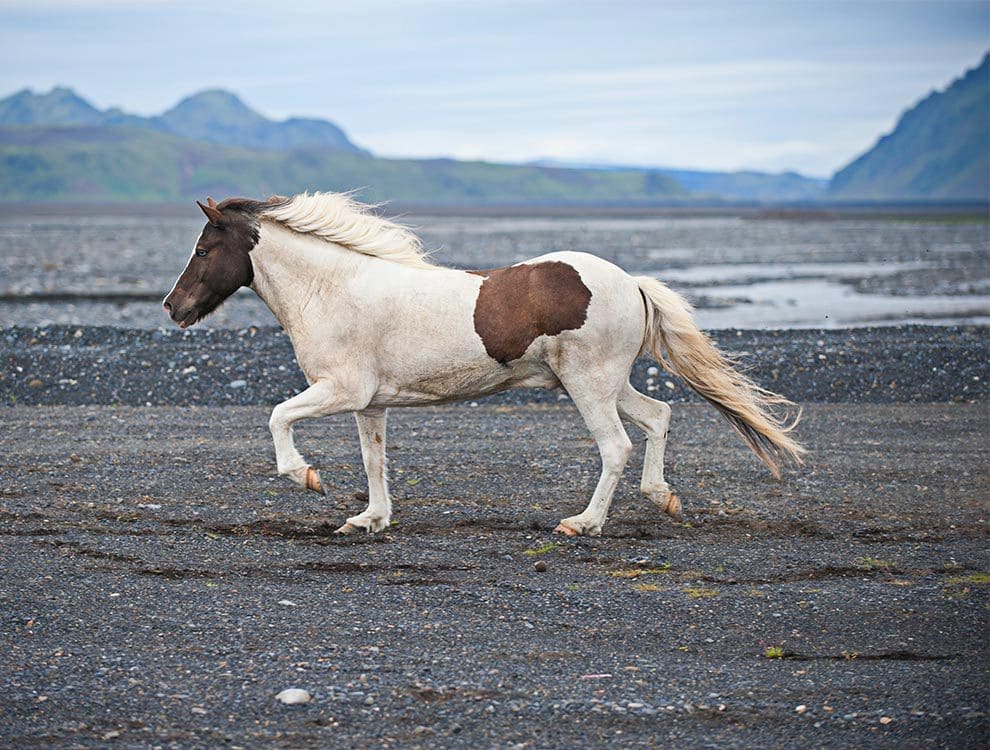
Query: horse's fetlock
[{"x": 372, "y": 523}]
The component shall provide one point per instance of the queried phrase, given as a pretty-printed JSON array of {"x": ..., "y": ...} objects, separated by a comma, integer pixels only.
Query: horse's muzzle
[{"x": 183, "y": 317}]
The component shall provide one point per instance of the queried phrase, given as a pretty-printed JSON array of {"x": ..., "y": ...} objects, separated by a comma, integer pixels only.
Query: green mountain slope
[
  {"x": 939, "y": 150},
  {"x": 749, "y": 185},
  {"x": 107, "y": 163},
  {"x": 743, "y": 185}
]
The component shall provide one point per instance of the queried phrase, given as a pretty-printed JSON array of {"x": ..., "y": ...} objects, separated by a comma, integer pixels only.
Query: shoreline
[{"x": 751, "y": 209}]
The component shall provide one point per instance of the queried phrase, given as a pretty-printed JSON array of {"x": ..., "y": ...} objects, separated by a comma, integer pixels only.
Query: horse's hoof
[
  {"x": 673, "y": 508},
  {"x": 347, "y": 528},
  {"x": 567, "y": 530},
  {"x": 313, "y": 481}
]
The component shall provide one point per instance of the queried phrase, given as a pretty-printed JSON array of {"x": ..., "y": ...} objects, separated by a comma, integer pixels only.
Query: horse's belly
[{"x": 463, "y": 382}]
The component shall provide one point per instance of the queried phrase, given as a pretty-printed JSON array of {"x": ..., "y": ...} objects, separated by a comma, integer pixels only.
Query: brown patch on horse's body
[{"x": 517, "y": 304}]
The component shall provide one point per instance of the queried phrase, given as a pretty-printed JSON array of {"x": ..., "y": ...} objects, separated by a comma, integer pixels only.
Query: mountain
[
  {"x": 60, "y": 106},
  {"x": 749, "y": 185},
  {"x": 214, "y": 116},
  {"x": 744, "y": 185},
  {"x": 939, "y": 149},
  {"x": 119, "y": 163},
  {"x": 221, "y": 117}
]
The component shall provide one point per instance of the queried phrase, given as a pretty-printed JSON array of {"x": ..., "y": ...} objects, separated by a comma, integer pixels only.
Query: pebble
[
  {"x": 292, "y": 696},
  {"x": 540, "y": 566},
  {"x": 237, "y": 384},
  {"x": 287, "y": 603}
]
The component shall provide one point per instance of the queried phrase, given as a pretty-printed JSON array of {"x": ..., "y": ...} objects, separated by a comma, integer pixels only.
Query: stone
[{"x": 292, "y": 696}]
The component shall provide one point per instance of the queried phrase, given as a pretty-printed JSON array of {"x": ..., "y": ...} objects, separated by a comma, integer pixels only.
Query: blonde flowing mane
[{"x": 336, "y": 217}]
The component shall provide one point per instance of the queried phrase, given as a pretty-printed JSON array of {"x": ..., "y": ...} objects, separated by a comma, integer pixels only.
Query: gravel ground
[
  {"x": 214, "y": 367},
  {"x": 160, "y": 586}
]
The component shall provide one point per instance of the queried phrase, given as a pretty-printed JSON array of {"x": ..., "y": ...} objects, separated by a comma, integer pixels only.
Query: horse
[{"x": 374, "y": 324}]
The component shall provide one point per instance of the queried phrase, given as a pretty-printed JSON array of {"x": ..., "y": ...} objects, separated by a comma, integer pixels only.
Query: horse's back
[{"x": 615, "y": 316}]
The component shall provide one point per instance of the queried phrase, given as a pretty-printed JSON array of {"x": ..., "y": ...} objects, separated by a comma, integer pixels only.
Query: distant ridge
[
  {"x": 60, "y": 106},
  {"x": 215, "y": 116},
  {"x": 939, "y": 150},
  {"x": 742, "y": 185}
]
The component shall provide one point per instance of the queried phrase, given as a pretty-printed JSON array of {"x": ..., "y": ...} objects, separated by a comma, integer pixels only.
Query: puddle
[
  {"x": 820, "y": 303},
  {"x": 749, "y": 273}
]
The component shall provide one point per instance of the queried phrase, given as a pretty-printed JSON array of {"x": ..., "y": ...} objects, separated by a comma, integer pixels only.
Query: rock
[
  {"x": 237, "y": 384},
  {"x": 287, "y": 603},
  {"x": 35, "y": 383},
  {"x": 801, "y": 709},
  {"x": 540, "y": 566},
  {"x": 292, "y": 696}
]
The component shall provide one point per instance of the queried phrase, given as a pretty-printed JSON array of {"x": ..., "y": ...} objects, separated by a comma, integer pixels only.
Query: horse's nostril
[{"x": 167, "y": 306}]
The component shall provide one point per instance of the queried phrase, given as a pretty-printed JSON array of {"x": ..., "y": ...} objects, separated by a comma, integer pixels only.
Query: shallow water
[{"x": 740, "y": 272}]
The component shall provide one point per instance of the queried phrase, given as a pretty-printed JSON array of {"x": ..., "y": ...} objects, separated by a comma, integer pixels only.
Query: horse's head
[{"x": 220, "y": 264}]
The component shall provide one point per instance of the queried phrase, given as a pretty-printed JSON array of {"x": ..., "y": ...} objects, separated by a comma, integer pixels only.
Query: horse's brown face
[{"x": 219, "y": 266}]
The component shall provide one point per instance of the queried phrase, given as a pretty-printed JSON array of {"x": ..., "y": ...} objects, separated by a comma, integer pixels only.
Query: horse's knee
[
  {"x": 661, "y": 421},
  {"x": 277, "y": 421},
  {"x": 663, "y": 411},
  {"x": 616, "y": 454}
]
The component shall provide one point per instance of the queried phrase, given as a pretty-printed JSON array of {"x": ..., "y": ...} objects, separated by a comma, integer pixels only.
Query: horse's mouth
[{"x": 189, "y": 318}]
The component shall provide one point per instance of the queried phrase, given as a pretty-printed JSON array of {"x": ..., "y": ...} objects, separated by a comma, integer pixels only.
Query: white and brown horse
[{"x": 374, "y": 324}]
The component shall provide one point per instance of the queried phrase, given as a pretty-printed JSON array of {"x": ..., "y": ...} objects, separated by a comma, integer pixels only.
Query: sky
[{"x": 770, "y": 85}]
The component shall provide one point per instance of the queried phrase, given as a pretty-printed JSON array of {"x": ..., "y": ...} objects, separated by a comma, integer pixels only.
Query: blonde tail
[{"x": 692, "y": 356}]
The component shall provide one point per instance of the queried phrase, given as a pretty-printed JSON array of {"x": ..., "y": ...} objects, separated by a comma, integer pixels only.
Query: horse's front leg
[
  {"x": 371, "y": 427},
  {"x": 319, "y": 400}
]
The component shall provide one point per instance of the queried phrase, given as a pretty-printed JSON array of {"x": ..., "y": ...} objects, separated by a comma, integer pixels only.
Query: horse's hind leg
[
  {"x": 653, "y": 417},
  {"x": 371, "y": 427},
  {"x": 602, "y": 419}
]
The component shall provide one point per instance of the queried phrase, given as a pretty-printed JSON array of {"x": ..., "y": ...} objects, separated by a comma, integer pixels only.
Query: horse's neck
[{"x": 293, "y": 271}]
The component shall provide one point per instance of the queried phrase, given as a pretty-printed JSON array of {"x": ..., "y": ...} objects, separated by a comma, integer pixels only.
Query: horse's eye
[{"x": 201, "y": 253}]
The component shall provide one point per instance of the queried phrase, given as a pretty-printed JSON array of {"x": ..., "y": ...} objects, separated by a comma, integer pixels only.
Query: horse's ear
[
  {"x": 210, "y": 202},
  {"x": 212, "y": 213}
]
